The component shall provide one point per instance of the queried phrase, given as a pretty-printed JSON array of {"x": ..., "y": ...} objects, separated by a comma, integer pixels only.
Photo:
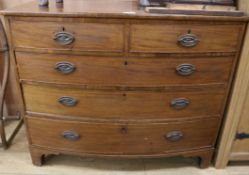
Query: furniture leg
[
  {"x": 205, "y": 160},
  {"x": 37, "y": 156}
]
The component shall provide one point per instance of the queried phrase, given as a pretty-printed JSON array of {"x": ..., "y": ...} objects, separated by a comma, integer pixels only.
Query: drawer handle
[
  {"x": 65, "y": 67},
  {"x": 67, "y": 101},
  {"x": 188, "y": 40},
  {"x": 179, "y": 103},
  {"x": 71, "y": 135},
  {"x": 185, "y": 69},
  {"x": 174, "y": 136},
  {"x": 63, "y": 38}
]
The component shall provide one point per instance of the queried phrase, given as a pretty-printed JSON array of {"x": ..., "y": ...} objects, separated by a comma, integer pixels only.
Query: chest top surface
[{"x": 102, "y": 8}]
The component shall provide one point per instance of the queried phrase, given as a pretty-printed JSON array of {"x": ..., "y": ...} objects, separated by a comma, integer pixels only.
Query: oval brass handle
[
  {"x": 188, "y": 40},
  {"x": 70, "y": 135},
  {"x": 174, "y": 136},
  {"x": 185, "y": 69},
  {"x": 63, "y": 38},
  {"x": 179, "y": 103},
  {"x": 65, "y": 67},
  {"x": 67, "y": 101}
]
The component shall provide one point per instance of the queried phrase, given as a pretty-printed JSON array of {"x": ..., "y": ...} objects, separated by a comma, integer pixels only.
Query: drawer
[
  {"x": 136, "y": 72},
  {"x": 122, "y": 104},
  {"x": 185, "y": 37},
  {"x": 68, "y": 35},
  {"x": 122, "y": 139}
]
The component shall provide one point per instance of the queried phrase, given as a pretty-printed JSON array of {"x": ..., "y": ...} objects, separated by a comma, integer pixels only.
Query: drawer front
[
  {"x": 145, "y": 72},
  {"x": 184, "y": 37},
  {"x": 122, "y": 139},
  {"x": 122, "y": 105},
  {"x": 68, "y": 35}
]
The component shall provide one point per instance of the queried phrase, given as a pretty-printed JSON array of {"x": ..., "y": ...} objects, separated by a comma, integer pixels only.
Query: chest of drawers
[{"x": 118, "y": 82}]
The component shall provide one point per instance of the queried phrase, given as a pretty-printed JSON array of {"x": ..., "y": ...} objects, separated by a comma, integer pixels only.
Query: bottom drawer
[{"x": 122, "y": 139}]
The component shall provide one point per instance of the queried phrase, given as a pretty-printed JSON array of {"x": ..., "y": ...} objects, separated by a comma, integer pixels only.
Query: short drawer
[
  {"x": 185, "y": 37},
  {"x": 122, "y": 104},
  {"x": 78, "y": 36},
  {"x": 136, "y": 72},
  {"x": 122, "y": 139}
]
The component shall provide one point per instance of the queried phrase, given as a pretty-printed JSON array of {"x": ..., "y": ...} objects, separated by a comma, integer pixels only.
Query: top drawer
[
  {"x": 68, "y": 35},
  {"x": 184, "y": 37}
]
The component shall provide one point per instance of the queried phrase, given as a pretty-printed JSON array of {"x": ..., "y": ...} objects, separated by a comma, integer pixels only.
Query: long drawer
[
  {"x": 149, "y": 37},
  {"x": 146, "y": 72},
  {"x": 80, "y": 36},
  {"x": 122, "y": 139},
  {"x": 177, "y": 37},
  {"x": 122, "y": 104}
]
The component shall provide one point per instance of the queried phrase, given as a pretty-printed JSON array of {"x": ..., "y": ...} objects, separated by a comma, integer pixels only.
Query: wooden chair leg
[{"x": 4, "y": 143}]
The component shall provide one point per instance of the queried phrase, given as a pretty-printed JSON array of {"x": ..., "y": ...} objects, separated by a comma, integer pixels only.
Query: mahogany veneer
[
  {"x": 132, "y": 71},
  {"x": 111, "y": 80},
  {"x": 141, "y": 139}
]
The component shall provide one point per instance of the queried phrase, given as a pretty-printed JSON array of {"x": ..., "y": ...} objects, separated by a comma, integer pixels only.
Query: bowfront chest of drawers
[{"x": 117, "y": 82}]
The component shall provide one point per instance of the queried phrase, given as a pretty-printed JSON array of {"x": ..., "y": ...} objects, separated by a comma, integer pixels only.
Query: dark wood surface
[
  {"x": 158, "y": 10},
  {"x": 210, "y": 2},
  {"x": 125, "y": 76}
]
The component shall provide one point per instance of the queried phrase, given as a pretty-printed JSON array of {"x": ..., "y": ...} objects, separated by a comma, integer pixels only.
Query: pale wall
[{"x": 11, "y": 3}]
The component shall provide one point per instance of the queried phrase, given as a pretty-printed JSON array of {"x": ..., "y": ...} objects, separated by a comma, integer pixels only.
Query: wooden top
[{"x": 101, "y": 8}]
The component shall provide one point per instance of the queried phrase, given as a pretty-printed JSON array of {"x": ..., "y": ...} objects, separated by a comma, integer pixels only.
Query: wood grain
[
  {"x": 210, "y": 2},
  {"x": 125, "y": 77},
  {"x": 241, "y": 146},
  {"x": 39, "y": 153},
  {"x": 104, "y": 9},
  {"x": 98, "y": 138},
  {"x": 236, "y": 107},
  {"x": 162, "y": 38},
  {"x": 122, "y": 104},
  {"x": 88, "y": 36},
  {"x": 143, "y": 72}
]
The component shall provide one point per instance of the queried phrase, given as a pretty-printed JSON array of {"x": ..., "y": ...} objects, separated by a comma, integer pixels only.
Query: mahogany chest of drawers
[{"x": 118, "y": 82}]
